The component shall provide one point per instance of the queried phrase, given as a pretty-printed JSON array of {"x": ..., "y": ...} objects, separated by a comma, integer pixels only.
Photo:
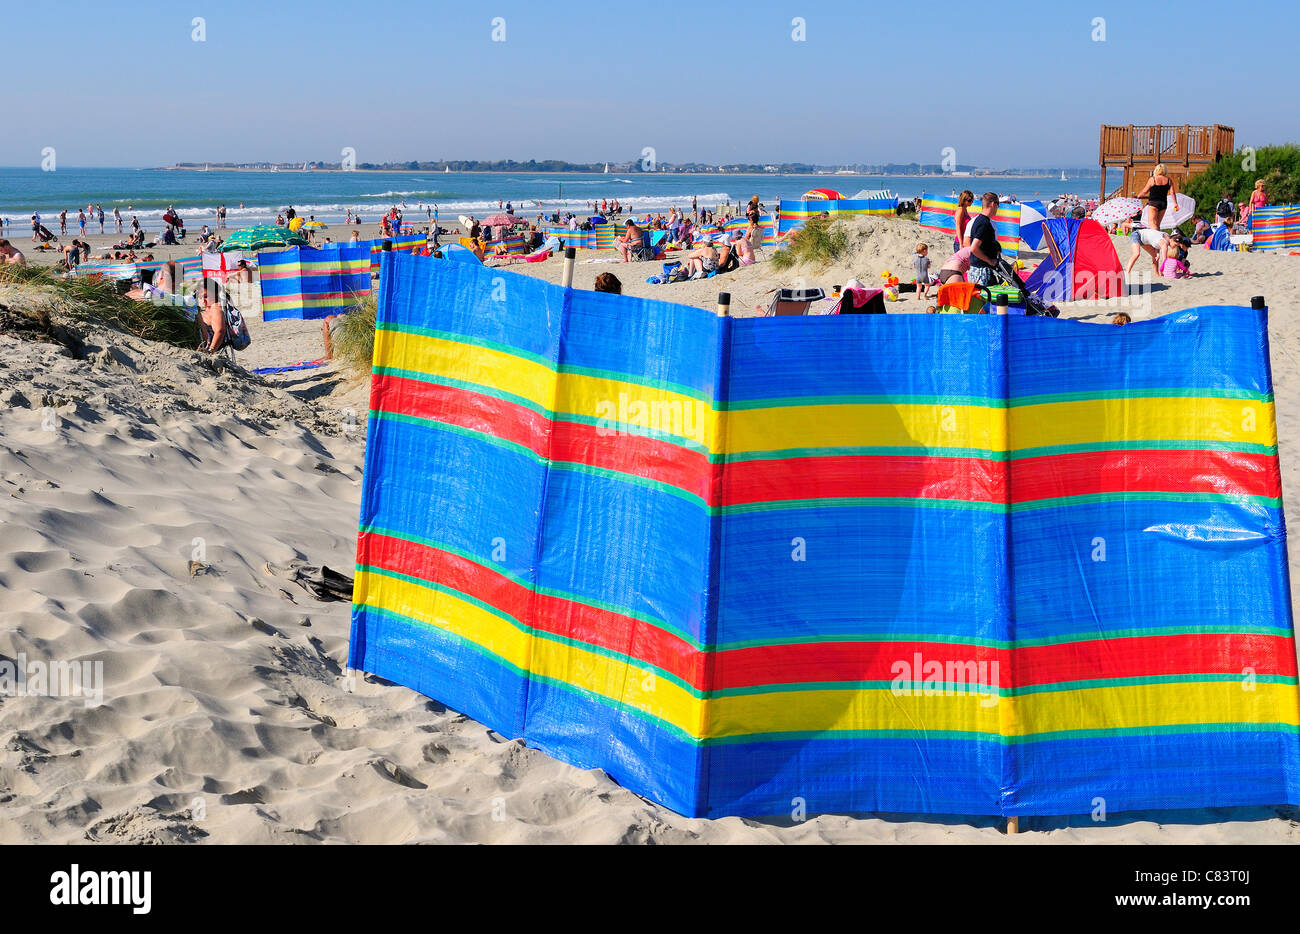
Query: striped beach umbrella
[{"x": 261, "y": 237}]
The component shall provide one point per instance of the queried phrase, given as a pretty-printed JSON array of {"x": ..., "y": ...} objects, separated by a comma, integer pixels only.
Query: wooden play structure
[{"x": 1134, "y": 150}]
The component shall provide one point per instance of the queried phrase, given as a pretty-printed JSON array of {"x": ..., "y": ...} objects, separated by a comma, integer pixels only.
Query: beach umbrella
[
  {"x": 315, "y": 225},
  {"x": 1116, "y": 210},
  {"x": 1031, "y": 225},
  {"x": 822, "y": 194},
  {"x": 1185, "y": 212},
  {"x": 262, "y": 237},
  {"x": 502, "y": 220}
]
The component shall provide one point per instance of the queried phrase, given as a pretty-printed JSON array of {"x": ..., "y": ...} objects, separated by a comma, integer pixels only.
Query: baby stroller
[
  {"x": 1033, "y": 305},
  {"x": 45, "y": 234}
]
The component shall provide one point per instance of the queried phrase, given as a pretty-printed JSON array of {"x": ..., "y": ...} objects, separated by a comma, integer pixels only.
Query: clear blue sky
[{"x": 113, "y": 84}]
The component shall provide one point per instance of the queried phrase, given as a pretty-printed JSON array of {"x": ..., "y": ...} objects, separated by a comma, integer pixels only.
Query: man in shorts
[{"x": 984, "y": 247}]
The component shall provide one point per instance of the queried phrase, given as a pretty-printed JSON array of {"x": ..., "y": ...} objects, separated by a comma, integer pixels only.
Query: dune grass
[
  {"x": 354, "y": 338},
  {"x": 41, "y": 291},
  {"x": 817, "y": 243}
]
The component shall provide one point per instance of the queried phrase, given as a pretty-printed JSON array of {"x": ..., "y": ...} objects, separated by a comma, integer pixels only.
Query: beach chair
[
  {"x": 860, "y": 302},
  {"x": 791, "y": 302},
  {"x": 960, "y": 298},
  {"x": 645, "y": 251}
]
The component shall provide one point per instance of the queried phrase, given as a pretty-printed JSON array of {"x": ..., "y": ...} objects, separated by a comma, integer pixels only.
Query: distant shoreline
[{"x": 186, "y": 168}]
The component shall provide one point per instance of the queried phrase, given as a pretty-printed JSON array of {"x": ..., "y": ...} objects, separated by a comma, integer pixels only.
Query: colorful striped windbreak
[
  {"x": 937, "y": 211},
  {"x": 1276, "y": 227},
  {"x": 302, "y": 282},
  {"x": 794, "y": 214},
  {"x": 954, "y": 564}
]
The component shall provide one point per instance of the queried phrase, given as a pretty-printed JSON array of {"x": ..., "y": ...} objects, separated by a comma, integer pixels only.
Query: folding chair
[{"x": 791, "y": 302}]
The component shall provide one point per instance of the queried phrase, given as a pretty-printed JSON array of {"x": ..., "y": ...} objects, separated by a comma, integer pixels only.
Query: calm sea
[{"x": 329, "y": 195}]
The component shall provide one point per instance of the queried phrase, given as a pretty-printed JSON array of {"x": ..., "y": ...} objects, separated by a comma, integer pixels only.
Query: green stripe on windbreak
[
  {"x": 901, "y": 502},
  {"x": 892, "y": 451},
  {"x": 1163, "y": 730},
  {"x": 1056, "y": 687},
  {"x": 783, "y": 402},
  {"x": 1230, "y": 447},
  {"x": 803, "y": 736},
  {"x": 922, "y": 735},
  {"x": 1134, "y": 496},
  {"x": 1155, "y": 393},
  {"x": 1062, "y": 639},
  {"x": 930, "y": 688},
  {"x": 900, "y": 688}
]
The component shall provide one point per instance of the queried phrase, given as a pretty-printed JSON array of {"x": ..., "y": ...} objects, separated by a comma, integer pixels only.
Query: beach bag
[{"x": 237, "y": 336}]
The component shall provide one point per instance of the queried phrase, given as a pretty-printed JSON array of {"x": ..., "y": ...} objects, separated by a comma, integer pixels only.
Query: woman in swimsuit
[
  {"x": 1158, "y": 190},
  {"x": 961, "y": 219},
  {"x": 1258, "y": 199}
]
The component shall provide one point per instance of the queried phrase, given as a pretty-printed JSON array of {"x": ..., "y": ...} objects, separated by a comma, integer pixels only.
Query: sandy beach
[{"x": 152, "y": 498}]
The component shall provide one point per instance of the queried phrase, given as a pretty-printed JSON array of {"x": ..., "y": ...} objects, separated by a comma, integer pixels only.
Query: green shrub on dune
[
  {"x": 817, "y": 243},
  {"x": 354, "y": 338},
  {"x": 1277, "y": 166},
  {"x": 36, "y": 290}
]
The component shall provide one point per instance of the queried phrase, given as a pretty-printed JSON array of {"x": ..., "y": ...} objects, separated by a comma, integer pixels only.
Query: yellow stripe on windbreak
[
  {"x": 900, "y": 425},
  {"x": 493, "y": 369},
  {"x": 1147, "y": 705},
  {"x": 817, "y": 711},
  {"x": 444, "y": 611},
  {"x": 642, "y": 689},
  {"x": 582, "y": 668},
  {"x": 1171, "y": 418},
  {"x": 1105, "y": 708}
]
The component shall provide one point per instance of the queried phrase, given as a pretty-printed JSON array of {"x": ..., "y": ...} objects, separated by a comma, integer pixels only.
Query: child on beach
[{"x": 921, "y": 263}]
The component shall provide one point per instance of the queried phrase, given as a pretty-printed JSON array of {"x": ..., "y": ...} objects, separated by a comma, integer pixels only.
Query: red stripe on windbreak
[
  {"x": 463, "y": 408},
  {"x": 796, "y": 478},
  {"x": 854, "y": 661},
  {"x": 1182, "y": 471},
  {"x": 1145, "y": 656},
  {"x": 604, "y": 628},
  {"x": 569, "y": 442}
]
